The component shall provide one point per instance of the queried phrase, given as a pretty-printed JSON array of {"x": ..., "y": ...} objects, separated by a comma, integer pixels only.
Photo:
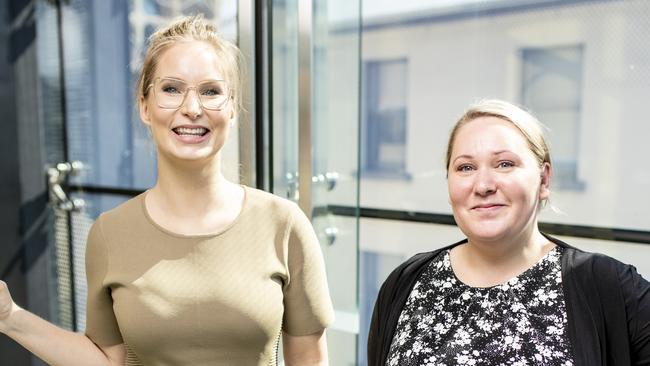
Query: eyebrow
[
  {"x": 170, "y": 77},
  {"x": 186, "y": 82},
  {"x": 467, "y": 156}
]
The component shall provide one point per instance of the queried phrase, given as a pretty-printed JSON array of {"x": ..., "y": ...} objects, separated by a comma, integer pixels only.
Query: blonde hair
[
  {"x": 187, "y": 29},
  {"x": 525, "y": 122}
]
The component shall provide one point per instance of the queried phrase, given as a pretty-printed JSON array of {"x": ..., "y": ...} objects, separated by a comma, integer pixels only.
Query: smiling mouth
[
  {"x": 190, "y": 131},
  {"x": 487, "y": 207}
]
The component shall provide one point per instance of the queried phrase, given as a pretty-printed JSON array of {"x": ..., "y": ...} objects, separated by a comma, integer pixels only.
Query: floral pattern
[{"x": 520, "y": 322}]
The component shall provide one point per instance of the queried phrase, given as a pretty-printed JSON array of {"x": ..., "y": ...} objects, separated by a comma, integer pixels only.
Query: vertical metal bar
[
  {"x": 269, "y": 91},
  {"x": 245, "y": 40},
  {"x": 357, "y": 208},
  {"x": 305, "y": 18},
  {"x": 260, "y": 162},
  {"x": 67, "y": 215}
]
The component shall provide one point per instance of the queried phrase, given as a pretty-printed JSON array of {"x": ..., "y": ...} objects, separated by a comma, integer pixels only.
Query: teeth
[{"x": 191, "y": 131}]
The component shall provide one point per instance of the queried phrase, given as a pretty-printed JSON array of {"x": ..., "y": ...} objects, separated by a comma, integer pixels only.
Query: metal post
[
  {"x": 246, "y": 118},
  {"x": 305, "y": 17}
]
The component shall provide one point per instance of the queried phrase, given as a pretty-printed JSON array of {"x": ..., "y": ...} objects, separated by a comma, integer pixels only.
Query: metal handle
[
  {"x": 292, "y": 186},
  {"x": 331, "y": 233},
  {"x": 328, "y": 179},
  {"x": 57, "y": 176}
]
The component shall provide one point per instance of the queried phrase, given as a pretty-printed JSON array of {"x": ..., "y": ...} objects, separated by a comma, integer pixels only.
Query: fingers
[
  {"x": 3, "y": 289},
  {"x": 5, "y": 300}
]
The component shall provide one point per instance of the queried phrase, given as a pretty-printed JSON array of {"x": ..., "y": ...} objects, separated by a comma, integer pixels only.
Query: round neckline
[
  {"x": 447, "y": 256},
  {"x": 157, "y": 226}
]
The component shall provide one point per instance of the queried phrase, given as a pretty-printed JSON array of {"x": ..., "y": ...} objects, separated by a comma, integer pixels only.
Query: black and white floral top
[{"x": 520, "y": 322}]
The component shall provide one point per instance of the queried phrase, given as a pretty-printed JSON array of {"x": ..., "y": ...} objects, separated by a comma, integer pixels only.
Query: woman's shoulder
[
  {"x": 269, "y": 202},
  {"x": 118, "y": 222},
  {"x": 124, "y": 214},
  {"x": 582, "y": 264},
  {"x": 409, "y": 270},
  {"x": 579, "y": 258}
]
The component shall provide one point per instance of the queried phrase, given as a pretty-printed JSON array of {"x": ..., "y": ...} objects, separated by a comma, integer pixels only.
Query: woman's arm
[
  {"x": 636, "y": 291},
  {"x": 52, "y": 344},
  {"x": 307, "y": 350}
]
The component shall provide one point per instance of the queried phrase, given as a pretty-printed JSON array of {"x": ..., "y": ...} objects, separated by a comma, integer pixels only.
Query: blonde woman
[
  {"x": 197, "y": 270},
  {"x": 508, "y": 294}
]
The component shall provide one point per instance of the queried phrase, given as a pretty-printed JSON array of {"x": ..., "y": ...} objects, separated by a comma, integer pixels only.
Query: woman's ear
[
  {"x": 545, "y": 184},
  {"x": 144, "y": 111}
]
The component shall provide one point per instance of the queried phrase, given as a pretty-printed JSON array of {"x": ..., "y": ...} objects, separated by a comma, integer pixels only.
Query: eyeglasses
[{"x": 170, "y": 93}]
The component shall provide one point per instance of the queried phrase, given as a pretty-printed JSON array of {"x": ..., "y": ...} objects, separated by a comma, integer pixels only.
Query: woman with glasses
[
  {"x": 197, "y": 270},
  {"x": 508, "y": 294}
]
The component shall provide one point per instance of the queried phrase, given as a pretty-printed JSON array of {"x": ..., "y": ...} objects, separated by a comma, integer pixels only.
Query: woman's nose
[
  {"x": 191, "y": 105},
  {"x": 485, "y": 182}
]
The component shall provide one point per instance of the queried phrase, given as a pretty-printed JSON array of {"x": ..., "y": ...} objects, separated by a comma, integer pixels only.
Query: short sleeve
[
  {"x": 307, "y": 303},
  {"x": 101, "y": 324}
]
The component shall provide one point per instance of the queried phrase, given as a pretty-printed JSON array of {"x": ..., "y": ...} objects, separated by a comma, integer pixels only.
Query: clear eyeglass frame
[{"x": 171, "y": 102}]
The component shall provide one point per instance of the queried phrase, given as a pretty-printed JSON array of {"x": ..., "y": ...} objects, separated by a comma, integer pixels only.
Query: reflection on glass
[
  {"x": 551, "y": 87},
  {"x": 335, "y": 150},
  {"x": 334, "y": 125},
  {"x": 384, "y": 121},
  {"x": 581, "y": 67},
  {"x": 284, "y": 97}
]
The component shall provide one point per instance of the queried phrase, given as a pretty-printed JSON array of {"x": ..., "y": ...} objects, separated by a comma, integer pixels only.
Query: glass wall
[
  {"x": 389, "y": 80},
  {"x": 334, "y": 107},
  {"x": 580, "y": 66},
  {"x": 103, "y": 46},
  {"x": 583, "y": 67}
]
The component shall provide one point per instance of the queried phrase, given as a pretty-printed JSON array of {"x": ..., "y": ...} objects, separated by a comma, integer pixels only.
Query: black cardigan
[{"x": 607, "y": 304}]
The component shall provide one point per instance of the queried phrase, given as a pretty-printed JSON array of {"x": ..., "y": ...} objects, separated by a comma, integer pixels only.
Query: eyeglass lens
[{"x": 170, "y": 93}]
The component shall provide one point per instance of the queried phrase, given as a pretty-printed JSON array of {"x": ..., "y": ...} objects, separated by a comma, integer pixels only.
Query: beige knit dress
[{"x": 218, "y": 299}]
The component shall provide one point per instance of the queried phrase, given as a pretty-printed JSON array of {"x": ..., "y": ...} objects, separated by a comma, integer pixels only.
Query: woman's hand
[
  {"x": 7, "y": 306},
  {"x": 52, "y": 344}
]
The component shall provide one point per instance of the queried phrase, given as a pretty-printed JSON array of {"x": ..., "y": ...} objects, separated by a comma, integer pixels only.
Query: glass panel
[
  {"x": 99, "y": 106},
  {"x": 334, "y": 144},
  {"x": 285, "y": 98},
  {"x": 580, "y": 66},
  {"x": 104, "y": 45},
  {"x": 50, "y": 113},
  {"x": 335, "y": 124}
]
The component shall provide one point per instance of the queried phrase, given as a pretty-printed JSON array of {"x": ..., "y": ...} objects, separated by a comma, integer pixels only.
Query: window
[
  {"x": 385, "y": 111},
  {"x": 552, "y": 89}
]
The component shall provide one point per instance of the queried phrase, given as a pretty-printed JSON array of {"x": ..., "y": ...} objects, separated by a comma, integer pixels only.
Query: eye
[
  {"x": 211, "y": 92},
  {"x": 464, "y": 168},
  {"x": 212, "y": 89},
  {"x": 171, "y": 87},
  {"x": 505, "y": 164}
]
